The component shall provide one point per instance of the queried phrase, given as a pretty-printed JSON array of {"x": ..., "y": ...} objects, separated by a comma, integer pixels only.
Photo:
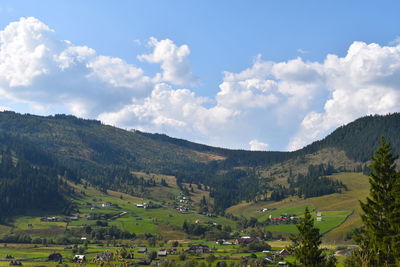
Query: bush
[{"x": 182, "y": 257}]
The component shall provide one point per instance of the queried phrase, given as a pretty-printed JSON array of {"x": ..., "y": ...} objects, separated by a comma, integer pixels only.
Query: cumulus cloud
[
  {"x": 172, "y": 110},
  {"x": 38, "y": 69},
  {"x": 288, "y": 104},
  {"x": 365, "y": 81},
  {"x": 173, "y": 60},
  {"x": 256, "y": 145}
]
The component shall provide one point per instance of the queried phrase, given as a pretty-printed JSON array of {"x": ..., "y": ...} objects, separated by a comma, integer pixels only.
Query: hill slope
[{"x": 106, "y": 156}]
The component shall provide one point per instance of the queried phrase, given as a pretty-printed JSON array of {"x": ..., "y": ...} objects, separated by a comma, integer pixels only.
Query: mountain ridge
[{"x": 106, "y": 156}]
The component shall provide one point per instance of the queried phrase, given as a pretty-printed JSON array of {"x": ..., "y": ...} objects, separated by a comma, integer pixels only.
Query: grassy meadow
[{"x": 340, "y": 211}]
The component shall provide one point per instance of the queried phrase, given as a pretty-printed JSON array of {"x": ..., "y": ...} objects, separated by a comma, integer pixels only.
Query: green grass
[
  {"x": 343, "y": 208},
  {"x": 330, "y": 220},
  {"x": 165, "y": 221},
  {"x": 37, "y": 255}
]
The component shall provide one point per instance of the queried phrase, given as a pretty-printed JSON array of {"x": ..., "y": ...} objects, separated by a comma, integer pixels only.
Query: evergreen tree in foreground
[
  {"x": 377, "y": 240},
  {"x": 306, "y": 244}
]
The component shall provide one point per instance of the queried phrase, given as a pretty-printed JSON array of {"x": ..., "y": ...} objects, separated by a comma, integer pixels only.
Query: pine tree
[
  {"x": 376, "y": 239},
  {"x": 306, "y": 244}
]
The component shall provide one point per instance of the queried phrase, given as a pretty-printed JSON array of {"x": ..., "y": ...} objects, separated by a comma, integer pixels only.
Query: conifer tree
[
  {"x": 376, "y": 239},
  {"x": 306, "y": 244}
]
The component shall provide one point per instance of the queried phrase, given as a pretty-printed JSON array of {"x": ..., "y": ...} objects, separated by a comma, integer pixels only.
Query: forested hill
[
  {"x": 360, "y": 138},
  {"x": 30, "y": 179},
  {"x": 105, "y": 156}
]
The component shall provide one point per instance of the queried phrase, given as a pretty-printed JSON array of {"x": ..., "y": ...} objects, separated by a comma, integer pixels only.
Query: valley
[{"x": 103, "y": 187}]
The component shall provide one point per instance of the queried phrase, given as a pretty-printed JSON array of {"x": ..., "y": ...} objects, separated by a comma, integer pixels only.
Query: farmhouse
[
  {"x": 142, "y": 250},
  {"x": 162, "y": 253},
  {"x": 198, "y": 249},
  {"x": 49, "y": 219},
  {"x": 79, "y": 258},
  {"x": 104, "y": 256},
  {"x": 244, "y": 240},
  {"x": 142, "y": 205},
  {"x": 284, "y": 252},
  {"x": 171, "y": 251}
]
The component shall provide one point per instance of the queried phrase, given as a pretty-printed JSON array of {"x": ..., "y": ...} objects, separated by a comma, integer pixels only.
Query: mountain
[{"x": 86, "y": 151}]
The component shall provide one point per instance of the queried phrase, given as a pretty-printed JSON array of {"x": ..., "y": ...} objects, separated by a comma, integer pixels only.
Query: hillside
[
  {"x": 110, "y": 158},
  {"x": 340, "y": 211}
]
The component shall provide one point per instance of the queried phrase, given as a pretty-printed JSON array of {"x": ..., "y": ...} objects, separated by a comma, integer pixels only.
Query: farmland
[{"x": 341, "y": 211}]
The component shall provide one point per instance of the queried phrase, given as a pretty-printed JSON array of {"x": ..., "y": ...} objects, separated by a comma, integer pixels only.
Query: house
[
  {"x": 106, "y": 204},
  {"x": 319, "y": 219},
  {"x": 104, "y": 256},
  {"x": 284, "y": 252},
  {"x": 142, "y": 250},
  {"x": 171, "y": 251},
  {"x": 269, "y": 260},
  {"x": 319, "y": 214},
  {"x": 282, "y": 263},
  {"x": 198, "y": 249},
  {"x": 55, "y": 257},
  {"x": 223, "y": 242},
  {"x": 79, "y": 258},
  {"x": 49, "y": 219},
  {"x": 162, "y": 253},
  {"x": 73, "y": 218},
  {"x": 139, "y": 206},
  {"x": 244, "y": 240}
]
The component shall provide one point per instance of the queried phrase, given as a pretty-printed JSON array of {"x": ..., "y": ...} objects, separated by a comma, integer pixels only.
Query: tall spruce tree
[
  {"x": 377, "y": 238},
  {"x": 306, "y": 244}
]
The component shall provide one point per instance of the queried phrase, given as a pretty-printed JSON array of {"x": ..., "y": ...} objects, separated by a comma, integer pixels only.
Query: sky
[{"x": 259, "y": 75}]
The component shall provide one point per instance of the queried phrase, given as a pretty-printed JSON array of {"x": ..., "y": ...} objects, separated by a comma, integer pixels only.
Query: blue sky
[{"x": 243, "y": 74}]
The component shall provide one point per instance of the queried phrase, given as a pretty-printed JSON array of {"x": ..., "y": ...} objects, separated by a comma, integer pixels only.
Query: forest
[{"x": 55, "y": 149}]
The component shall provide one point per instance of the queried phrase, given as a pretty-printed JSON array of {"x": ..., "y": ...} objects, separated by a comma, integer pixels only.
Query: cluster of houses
[
  {"x": 273, "y": 257},
  {"x": 283, "y": 219},
  {"x": 49, "y": 219},
  {"x": 245, "y": 240},
  {"x": 161, "y": 253},
  {"x": 319, "y": 216},
  {"x": 265, "y": 209},
  {"x": 182, "y": 203},
  {"x": 55, "y": 219}
]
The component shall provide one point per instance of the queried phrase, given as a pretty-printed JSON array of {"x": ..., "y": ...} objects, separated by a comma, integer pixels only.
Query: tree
[
  {"x": 153, "y": 255},
  {"x": 306, "y": 244},
  {"x": 376, "y": 239}
]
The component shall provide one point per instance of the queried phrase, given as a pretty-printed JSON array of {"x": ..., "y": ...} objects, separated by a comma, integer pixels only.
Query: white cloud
[
  {"x": 257, "y": 145},
  {"x": 50, "y": 74},
  {"x": 365, "y": 81},
  {"x": 173, "y": 60},
  {"x": 287, "y": 104},
  {"x": 171, "y": 111}
]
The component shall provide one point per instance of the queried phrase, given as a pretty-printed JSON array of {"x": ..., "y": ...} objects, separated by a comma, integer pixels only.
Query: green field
[
  {"x": 330, "y": 220},
  {"x": 342, "y": 209},
  {"x": 164, "y": 220}
]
